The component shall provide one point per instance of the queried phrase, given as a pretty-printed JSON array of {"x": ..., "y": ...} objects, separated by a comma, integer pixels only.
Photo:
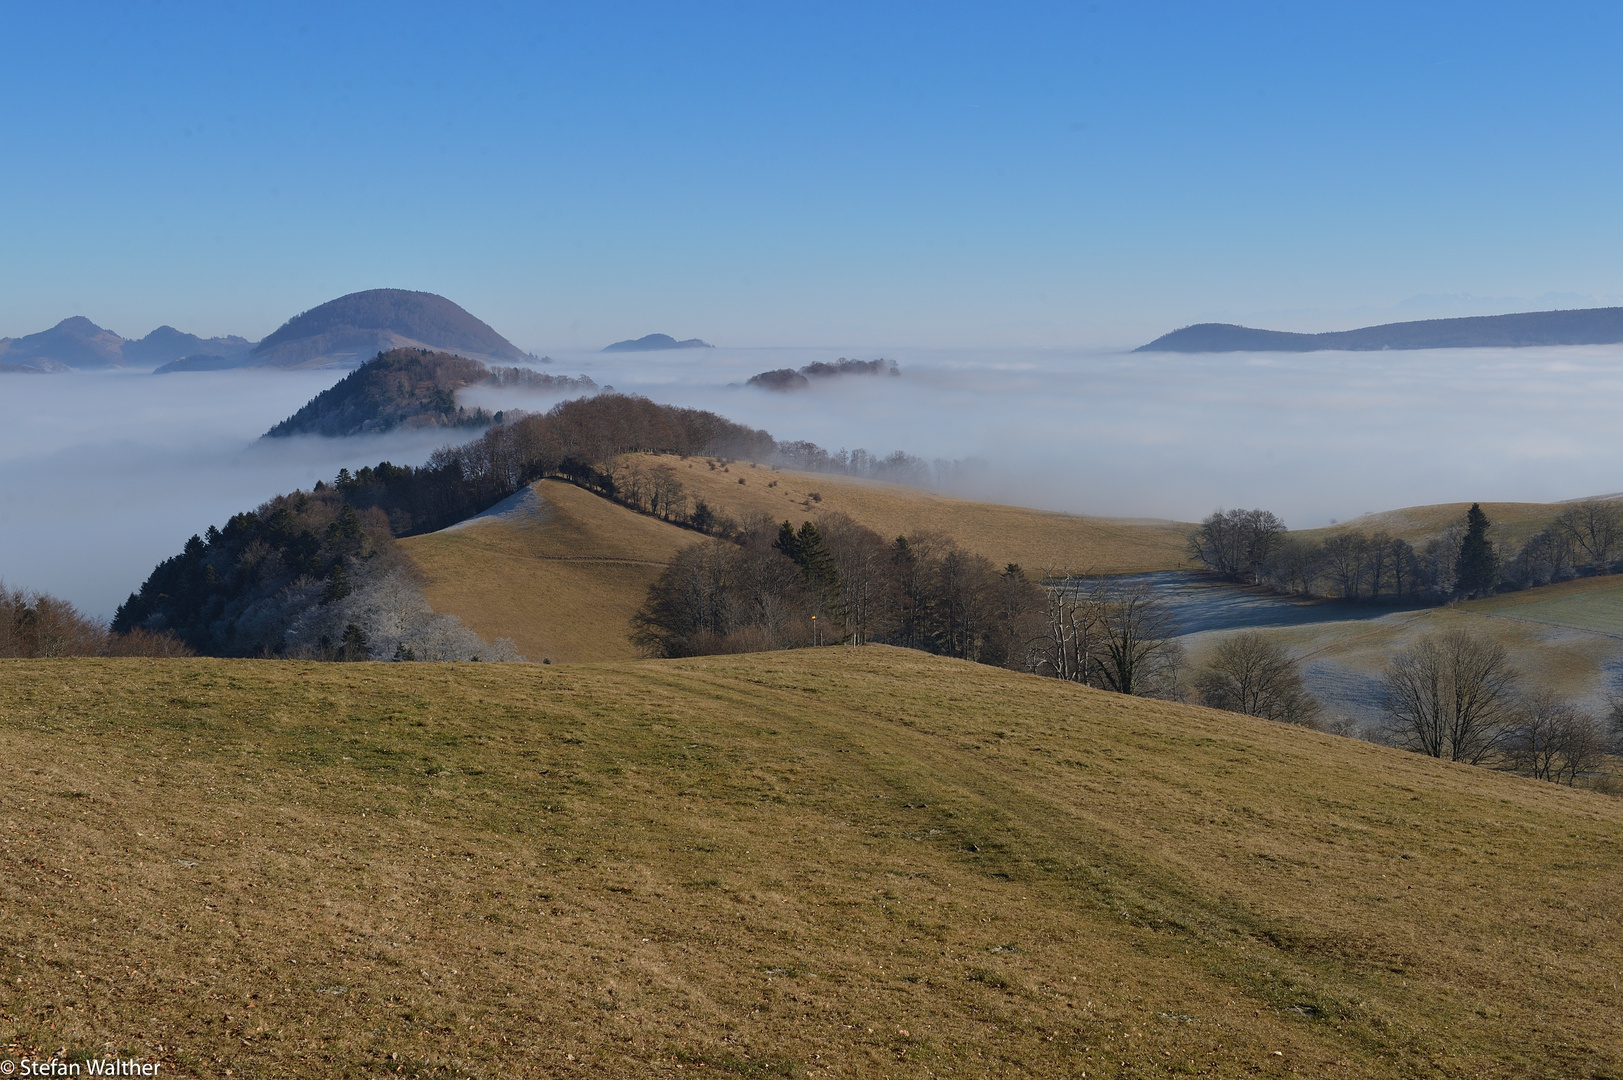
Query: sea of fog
[{"x": 104, "y": 474}]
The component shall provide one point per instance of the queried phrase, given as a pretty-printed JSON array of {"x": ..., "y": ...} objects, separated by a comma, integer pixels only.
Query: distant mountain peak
[
  {"x": 355, "y": 327},
  {"x": 78, "y": 324},
  {"x": 75, "y": 342},
  {"x": 655, "y": 343}
]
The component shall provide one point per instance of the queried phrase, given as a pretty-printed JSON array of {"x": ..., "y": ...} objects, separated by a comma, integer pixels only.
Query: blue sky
[{"x": 799, "y": 174}]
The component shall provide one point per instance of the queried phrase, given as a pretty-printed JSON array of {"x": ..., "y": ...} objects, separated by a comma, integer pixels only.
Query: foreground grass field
[
  {"x": 823, "y": 863},
  {"x": 1038, "y": 540}
]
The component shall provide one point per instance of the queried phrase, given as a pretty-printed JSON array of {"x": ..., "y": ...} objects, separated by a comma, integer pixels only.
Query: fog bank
[
  {"x": 1314, "y": 437},
  {"x": 104, "y": 474}
]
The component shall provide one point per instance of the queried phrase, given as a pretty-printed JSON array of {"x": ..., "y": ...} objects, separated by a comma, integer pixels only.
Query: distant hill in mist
[
  {"x": 1591, "y": 326},
  {"x": 349, "y": 330},
  {"x": 166, "y": 344},
  {"x": 656, "y": 342},
  {"x": 78, "y": 343},
  {"x": 790, "y": 379}
]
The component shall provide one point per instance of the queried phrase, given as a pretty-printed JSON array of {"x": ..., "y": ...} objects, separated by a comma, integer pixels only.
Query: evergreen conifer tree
[
  {"x": 1478, "y": 566},
  {"x": 353, "y": 647}
]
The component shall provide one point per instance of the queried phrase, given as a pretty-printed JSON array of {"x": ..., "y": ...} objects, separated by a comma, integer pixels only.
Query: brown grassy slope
[
  {"x": 1036, "y": 539},
  {"x": 832, "y": 862},
  {"x": 562, "y": 585}
]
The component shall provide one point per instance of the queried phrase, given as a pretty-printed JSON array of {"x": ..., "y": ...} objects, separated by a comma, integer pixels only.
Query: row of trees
[
  {"x": 37, "y": 625},
  {"x": 776, "y": 586},
  {"x": 1254, "y": 546},
  {"x": 1453, "y": 695}
]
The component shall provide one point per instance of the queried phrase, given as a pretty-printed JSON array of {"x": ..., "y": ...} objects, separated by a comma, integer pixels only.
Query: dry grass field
[
  {"x": 561, "y": 577},
  {"x": 1038, "y": 540},
  {"x": 834, "y": 862}
]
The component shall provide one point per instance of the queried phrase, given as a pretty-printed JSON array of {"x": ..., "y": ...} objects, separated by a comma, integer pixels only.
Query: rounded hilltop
[{"x": 356, "y": 327}]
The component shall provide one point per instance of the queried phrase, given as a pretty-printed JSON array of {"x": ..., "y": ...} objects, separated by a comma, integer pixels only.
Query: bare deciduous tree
[
  {"x": 1554, "y": 740},
  {"x": 1377, "y": 562},
  {"x": 861, "y": 565},
  {"x": 1595, "y": 527},
  {"x": 1451, "y": 695},
  {"x": 1344, "y": 562},
  {"x": 1137, "y": 653},
  {"x": 1249, "y": 673},
  {"x": 1069, "y": 636},
  {"x": 1406, "y": 568},
  {"x": 1237, "y": 543}
]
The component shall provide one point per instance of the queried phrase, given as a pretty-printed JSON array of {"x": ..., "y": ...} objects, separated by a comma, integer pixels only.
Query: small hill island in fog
[
  {"x": 656, "y": 342},
  {"x": 1590, "y": 326}
]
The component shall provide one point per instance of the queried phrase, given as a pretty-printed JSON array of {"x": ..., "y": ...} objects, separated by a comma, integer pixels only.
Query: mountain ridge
[
  {"x": 76, "y": 343},
  {"x": 1582, "y": 326}
]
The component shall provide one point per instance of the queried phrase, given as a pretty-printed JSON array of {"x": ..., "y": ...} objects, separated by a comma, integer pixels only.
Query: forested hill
[
  {"x": 413, "y": 388},
  {"x": 353, "y": 327},
  {"x": 399, "y": 388},
  {"x": 1591, "y": 326}
]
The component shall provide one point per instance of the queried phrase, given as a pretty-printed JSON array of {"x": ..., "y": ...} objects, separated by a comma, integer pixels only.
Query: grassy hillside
[
  {"x": 561, "y": 575},
  {"x": 834, "y": 862},
  {"x": 1036, "y": 539}
]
